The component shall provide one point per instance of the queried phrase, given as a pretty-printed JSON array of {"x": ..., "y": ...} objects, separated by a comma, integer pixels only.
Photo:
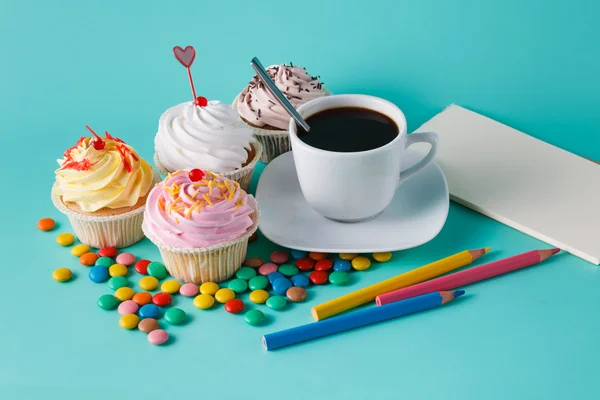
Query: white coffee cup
[{"x": 352, "y": 187}]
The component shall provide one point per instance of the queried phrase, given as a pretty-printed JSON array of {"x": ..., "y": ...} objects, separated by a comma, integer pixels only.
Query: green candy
[
  {"x": 258, "y": 282},
  {"x": 174, "y": 316},
  {"x": 276, "y": 302},
  {"x": 105, "y": 261},
  {"x": 117, "y": 282},
  {"x": 254, "y": 317},
  {"x": 157, "y": 270},
  {"x": 238, "y": 285},
  {"x": 245, "y": 273},
  {"x": 288, "y": 269},
  {"x": 339, "y": 278},
  {"x": 107, "y": 302}
]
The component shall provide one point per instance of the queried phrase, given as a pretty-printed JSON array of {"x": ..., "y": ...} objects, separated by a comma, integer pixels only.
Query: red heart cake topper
[{"x": 185, "y": 56}]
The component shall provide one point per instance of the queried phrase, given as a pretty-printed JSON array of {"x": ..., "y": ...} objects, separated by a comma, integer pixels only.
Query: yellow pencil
[{"x": 362, "y": 296}]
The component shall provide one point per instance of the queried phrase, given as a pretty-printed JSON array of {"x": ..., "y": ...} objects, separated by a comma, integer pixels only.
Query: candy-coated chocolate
[
  {"x": 274, "y": 276},
  {"x": 147, "y": 325},
  {"x": 107, "y": 302},
  {"x": 317, "y": 256},
  {"x": 174, "y": 316},
  {"x": 204, "y": 301},
  {"x": 339, "y": 278},
  {"x": 158, "y": 337},
  {"x": 238, "y": 285},
  {"x": 259, "y": 296},
  {"x": 149, "y": 311},
  {"x": 124, "y": 293},
  {"x": 88, "y": 259},
  {"x": 254, "y": 262},
  {"x": 65, "y": 239},
  {"x": 342, "y": 265},
  {"x": 348, "y": 256},
  {"x": 129, "y": 321},
  {"x": 141, "y": 267},
  {"x": 224, "y": 295},
  {"x": 296, "y": 294},
  {"x": 62, "y": 274},
  {"x": 281, "y": 285},
  {"x": 46, "y": 224},
  {"x": 148, "y": 283},
  {"x": 253, "y": 237},
  {"x": 305, "y": 264},
  {"x": 105, "y": 261},
  {"x": 361, "y": 263},
  {"x": 254, "y": 317},
  {"x": 125, "y": 259},
  {"x": 300, "y": 280},
  {"x": 234, "y": 306},
  {"x": 318, "y": 277},
  {"x": 80, "y": 250},
  {"x": 117, "y": 282},
  {"x": 298, "y": 254},
  {"x": 276, "y": 302},
  {"x": 245, "y": 273},
  {"x": 188, "y": 290},
  {"x": 107, "y": 252},
  {"x": 323, "y": 265},
  {"x": 258, "y": 282},
  {"x": 161, "y": 299},
  {"x": 170, "y": 286},
  {"x": 117, "y": 270},
  {"x": 288, "y": 269},
  {"x": 279, "y": 257},
  {"x": 128, "y": 307},
  {"x": 157, "y": 270},
  {"x": 142, "y": 298},
  {"x": 209, "y": 288},
  {"x": 267, "y": 268},
  {"x": 98, "y": 274},
  {"x": 383, "y": 256}
]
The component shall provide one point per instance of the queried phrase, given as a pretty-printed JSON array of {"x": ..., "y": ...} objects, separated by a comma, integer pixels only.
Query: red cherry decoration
[
  {"x": 98, "y": 144},
  {"x": 201, "y": 101},
  {"x": 196, "y": 175}
]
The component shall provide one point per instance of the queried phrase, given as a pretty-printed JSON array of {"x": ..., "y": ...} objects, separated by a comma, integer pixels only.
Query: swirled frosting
[
  {"x": 260, "y": 108},
  {"x": 212, "y": 137},
  {"x": 186, "y": 214},
  {"x": 102, "y": 172}
]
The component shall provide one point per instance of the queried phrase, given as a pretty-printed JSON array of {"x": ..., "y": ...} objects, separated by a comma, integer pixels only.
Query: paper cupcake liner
[
  {"x": 118, "y": 231},
  {"x": 209, "y": 264},
  {"x": 243, "y": 175}
]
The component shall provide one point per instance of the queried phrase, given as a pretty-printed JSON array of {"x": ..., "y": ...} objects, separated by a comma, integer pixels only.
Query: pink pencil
[{"x": 468, "y": 276}]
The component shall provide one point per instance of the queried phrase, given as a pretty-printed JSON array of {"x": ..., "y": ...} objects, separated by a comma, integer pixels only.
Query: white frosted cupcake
[
  {"x": 201, "y": 223},
  {"x": 260, "y": 110},
  {"x": 210, "y": 137}
]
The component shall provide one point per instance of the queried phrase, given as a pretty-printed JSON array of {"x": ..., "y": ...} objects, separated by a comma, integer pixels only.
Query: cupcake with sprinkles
[
  {"x": 102, "y": 185},
  {"x": 201, "y": 223},
  {"x": 260, "y": 110}
]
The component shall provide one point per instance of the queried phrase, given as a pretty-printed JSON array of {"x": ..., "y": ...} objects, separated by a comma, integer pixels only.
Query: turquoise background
[{"x": 532, "y": 65}]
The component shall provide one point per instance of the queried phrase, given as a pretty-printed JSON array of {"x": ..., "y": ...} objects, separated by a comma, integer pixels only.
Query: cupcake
[
  {"x": 260, "y": 110},
  {"x": 102, "y": 185},
  {"x": 210, "y": 137},
  {"x": 201, "y": 222}
]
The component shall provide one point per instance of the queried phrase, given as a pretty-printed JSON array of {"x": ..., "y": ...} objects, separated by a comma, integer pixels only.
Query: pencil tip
[
  {"x": 487, "y": 249},
  {"x": 554, "y": 251},
  {"x": 458, "y": 293}
]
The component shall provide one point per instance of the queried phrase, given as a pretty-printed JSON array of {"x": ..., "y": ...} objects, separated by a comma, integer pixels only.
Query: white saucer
[{"x": 415, "y": 216}]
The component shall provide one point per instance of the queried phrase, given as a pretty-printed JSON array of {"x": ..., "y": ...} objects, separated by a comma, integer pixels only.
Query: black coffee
[{"x": 348, "y": 129}]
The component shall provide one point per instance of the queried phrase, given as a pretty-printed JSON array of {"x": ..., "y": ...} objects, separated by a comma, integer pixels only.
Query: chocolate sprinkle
[{"x": 272, "y": 102}]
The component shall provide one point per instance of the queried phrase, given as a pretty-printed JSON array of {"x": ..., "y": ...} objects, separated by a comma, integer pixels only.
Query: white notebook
[{"x": 528, "y": 184}]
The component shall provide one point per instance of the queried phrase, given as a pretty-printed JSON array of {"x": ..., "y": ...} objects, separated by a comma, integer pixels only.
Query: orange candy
[
  {"x": 317, "y": 256},
  {"x": 46, "y": 224},
  {"x": 142, "y": 298},
  {"x": 88, "y": 259}
]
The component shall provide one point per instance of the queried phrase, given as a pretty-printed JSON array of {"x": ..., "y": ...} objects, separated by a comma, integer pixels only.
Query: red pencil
[{"x": 467, "y": 276}]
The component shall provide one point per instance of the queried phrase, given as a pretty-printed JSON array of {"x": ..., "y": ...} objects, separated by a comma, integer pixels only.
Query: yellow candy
[
  {"x": 209, "y": 288},
  {"x": 171, "y": 286},
  {"x": 148, "y": 283},
  {"x": 62, "y": 274},
  {"x": 259, "y": 296},
  {"x": 224, "y": 295},
  {"x": 80, "y": 250},
  {"x": 204, "y": 301},
  {"x": 124, "y": 293},
  {"x": 361, "y": 263},
  {"x": 348, "y": 256},
  {"x": 129, "y": 321},
  {"x": 65, "y": 239},
  {"x": 117, "y": 270},
  {"x": 382, "y": 257}
]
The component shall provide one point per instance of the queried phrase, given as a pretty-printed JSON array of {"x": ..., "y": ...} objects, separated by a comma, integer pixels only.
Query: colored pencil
[
  {"x": 357, "y": 319},
  {"x": 364, "y": 295},
  {"x": 468, "y": 276}
]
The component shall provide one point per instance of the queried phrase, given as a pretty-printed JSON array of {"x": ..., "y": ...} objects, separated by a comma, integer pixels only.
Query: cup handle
[{"x": 428, "y": 137}]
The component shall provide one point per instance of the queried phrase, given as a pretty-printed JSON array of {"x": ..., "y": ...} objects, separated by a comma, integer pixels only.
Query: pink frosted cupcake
[{"x": 201, "y": 223}]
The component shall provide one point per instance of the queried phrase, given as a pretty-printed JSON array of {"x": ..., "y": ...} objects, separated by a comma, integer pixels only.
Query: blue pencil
[{"x": 357, "y": 319}]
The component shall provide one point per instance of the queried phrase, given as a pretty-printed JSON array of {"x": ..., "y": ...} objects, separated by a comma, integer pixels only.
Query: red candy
[
  {"x": 323, "y": 265},
  {"x": 107, "y": 252},
  {"x": 234, "y": 306},
  {"x": 196, "y": 175},
  {"x": 141, "y": 267},
  {"x": 305, "y": 264},
  {"x": 201, "y": 101},
  {"x": 318, "y": 277},
  {"x": 162, "y": 299},
  {"x": 279, "y": 257}
]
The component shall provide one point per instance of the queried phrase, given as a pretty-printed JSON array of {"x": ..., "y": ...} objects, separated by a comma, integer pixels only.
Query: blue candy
[
  {"x": 149, "y": 311},
  {"x": 342, "y": 265},
  {"x": 281, "y": 285},
  {"x": 275, "y": 275},
  {"x": 298, "y": 254},
  {"x": 300, "y": 280},
  {"x": 98, "y": 274}
]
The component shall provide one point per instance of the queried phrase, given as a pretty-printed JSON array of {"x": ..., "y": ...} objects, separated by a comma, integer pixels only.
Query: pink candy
[
  {"x": 158, "y": 336},
  {"x": 188, "y": 290},
  {"x": 267, "y": 268},
  {"x": 279, "y": 257},
  {"x": 128, "y": 307},
  {"x": 125, "y": 259}
]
